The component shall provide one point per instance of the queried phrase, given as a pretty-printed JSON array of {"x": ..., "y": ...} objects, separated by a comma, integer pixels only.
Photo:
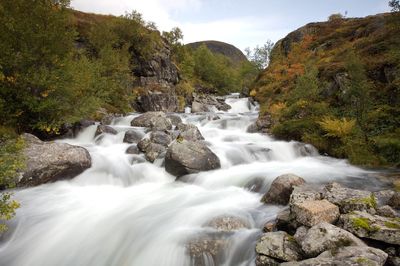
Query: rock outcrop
[
  {"x": 166, "y": 102},
  {"x": 51, "y": 161}
]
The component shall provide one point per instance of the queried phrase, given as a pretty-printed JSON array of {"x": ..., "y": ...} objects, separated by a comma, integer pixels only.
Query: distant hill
[{"x": 226, "y": 49}]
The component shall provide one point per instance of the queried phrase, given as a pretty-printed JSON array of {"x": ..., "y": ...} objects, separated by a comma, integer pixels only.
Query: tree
[
  {"x": 174, "y": 36},
  {"x": 395, "y": 5},
  {"x": 260, "y": 56}
]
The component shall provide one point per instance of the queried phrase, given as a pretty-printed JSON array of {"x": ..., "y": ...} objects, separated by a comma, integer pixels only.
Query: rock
[
  {"x": 346, "y": 256},
  {"x": 102, "y": 129},
  {"x": 154, "y": 151},
  {"x": 227, "y": 224},
  {"x": 286, "y": 221},
  {"x": 269, "y": 227},
  {"x": 350, "y": 200},
  {"x": 79, "y": 126},
  {"x": 304, "y": 193},
  {"x": 153, "y": 120},
  {"x": 189, "y": 132},
  {"x": 160, "y": 137},
  {"x": 324, "y": 236},
  {"x": 281, "y": 189},
  {"x": 199, "y": 108},
  {"x": 132, "y": 136},
  {"x": 395, "y": 201},
  {"x": 109, "y": 118},
  {"x": 152, "y": 102},
  {"x": 206, "y": 103},
  {"x": 132, "y": 150},
  {"x": 383, "y": 197},
  {"x": 184, "y": 157},
  {"x": 143, "y": 144},
  {"x": 375, "y": 227},
  {"x": 175, "y": 119},
  {"x": 253, "y": 128},
  {"x": 300, "y": 234},
  {"x": 387, "y": 211},
  {"x": 310, "y": 213},
  {"x": 279, "y": 245},
  {"x": 50, "y": 161},
  {"x": 205, "y": 250},
  {"x": 262, "y": 260}
]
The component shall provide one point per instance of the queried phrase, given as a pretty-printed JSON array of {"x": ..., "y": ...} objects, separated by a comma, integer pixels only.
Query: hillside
[
  {"x": 336, "y": 85},
  {"x": 226, "y": 49}
]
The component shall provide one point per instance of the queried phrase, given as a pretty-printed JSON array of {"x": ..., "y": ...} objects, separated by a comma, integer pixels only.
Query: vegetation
[
  {"x": 337, "y": 87},
  {"x": 395, "y": 5}
]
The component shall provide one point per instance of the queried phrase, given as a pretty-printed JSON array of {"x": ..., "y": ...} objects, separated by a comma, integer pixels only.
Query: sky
[{"x": 243, "y": 23}]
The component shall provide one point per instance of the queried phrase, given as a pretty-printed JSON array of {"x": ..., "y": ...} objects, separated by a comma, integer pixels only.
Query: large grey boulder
[
  {"x": 349, "y": 199},
  {"x": 345, "y": 256},
  {"x": 375, "y": 227},
  {"x": 154, "y": 120},
  {"x": 279, "y": 245},
  {"x": 324, "y": 236},
  {"x": 281, "y": 189},
  {"x": 133, "y": 136},
  {"x": 166, "y": 102},
  {"x": 50, "y": 161},
  {"x": 160, "y": 137},
  {"x": 189, "y": 132},
  {"x": 151, "y": 150},
  {"x": 184, "y": 157}
]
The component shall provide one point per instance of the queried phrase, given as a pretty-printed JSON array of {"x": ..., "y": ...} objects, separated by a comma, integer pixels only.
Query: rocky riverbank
[{"x": 329, "y": 225}]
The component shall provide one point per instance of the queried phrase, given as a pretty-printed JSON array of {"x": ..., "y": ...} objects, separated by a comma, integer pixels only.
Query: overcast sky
[{"x": 243, "y": 23}]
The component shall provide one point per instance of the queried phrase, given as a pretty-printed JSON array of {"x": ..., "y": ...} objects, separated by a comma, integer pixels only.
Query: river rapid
[{"x": 125, "y": 211}]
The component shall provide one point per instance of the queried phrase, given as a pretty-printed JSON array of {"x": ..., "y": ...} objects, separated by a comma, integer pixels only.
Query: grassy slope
[{"x": 326, "y": 47}]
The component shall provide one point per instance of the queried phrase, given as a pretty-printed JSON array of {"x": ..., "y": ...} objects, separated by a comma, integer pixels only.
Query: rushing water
[{"x": 126, "y": 211}]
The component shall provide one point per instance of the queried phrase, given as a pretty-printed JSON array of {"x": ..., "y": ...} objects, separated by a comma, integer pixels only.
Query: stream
[{"x": 126, "y": 211}]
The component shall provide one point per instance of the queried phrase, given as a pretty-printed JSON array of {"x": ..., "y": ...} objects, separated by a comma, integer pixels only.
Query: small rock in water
[
  {"x": 281, "y": 189},
  {"x": 105, "y": 129},
  {"x": 132, "y": 136},
  {"x": 228, "y": 223},
  {"x": 132, "y": 150}
]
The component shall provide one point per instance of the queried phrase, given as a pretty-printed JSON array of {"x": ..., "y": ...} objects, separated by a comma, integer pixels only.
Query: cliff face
[
  {"x": 222, "y": 48},
  {"x": 343, "y": 71}
]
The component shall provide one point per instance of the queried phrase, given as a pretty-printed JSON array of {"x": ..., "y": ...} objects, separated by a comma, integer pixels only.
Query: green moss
[
  {"x": 364, "y": 261},
  {"x": 393, "y": 225},
  {"x": 369, "y": 201},
  {"x": 363, "y": 223}
]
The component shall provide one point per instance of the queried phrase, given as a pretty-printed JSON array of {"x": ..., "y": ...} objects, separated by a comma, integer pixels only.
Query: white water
[{"x": 126, "y": 211}]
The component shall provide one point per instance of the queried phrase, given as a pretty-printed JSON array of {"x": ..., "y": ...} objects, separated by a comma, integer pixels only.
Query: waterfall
[{"x": 127, "y": 211}]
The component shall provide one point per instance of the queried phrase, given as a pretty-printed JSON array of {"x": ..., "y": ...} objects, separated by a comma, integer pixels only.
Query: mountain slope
[{"x": 336, "y": 85}]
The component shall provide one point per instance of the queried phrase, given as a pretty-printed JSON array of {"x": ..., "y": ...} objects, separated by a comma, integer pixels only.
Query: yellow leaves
[
  {"x": 276, "y": 109},
  {"x": 337, "y": 127},
  {"x": 49, "y": 129},
  {"x": 44, "y": 94},
  {"x": 253, "y": 93}
]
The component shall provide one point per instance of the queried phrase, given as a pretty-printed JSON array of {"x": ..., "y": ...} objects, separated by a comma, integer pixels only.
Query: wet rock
[
  {"x": 279, "y": 245},
  {"x": 72, "y": 131},
  {"x": 175, "y": 119},
  {"x": 281, "y": 189},
  {"x": 269, "y": 227},
  {"x": 132, "y": 150},
  {"x": 345, "y": 256},
  {"x": 160, "y": 123},
  {"x": 310, "y": 213},
  {"x": 184, "y": 157},
  {"x": 189, "y": 132},
  {"x": 143, "y": 144},
  {"x": 255, "y": 185},
  {"x": 387, "y": 211},
  {"x": 349, "y": 199},
  {"x": 153, "y": 120},
  {"x": 383, "y": 197},
  {"x": 227, "y": 224},
  {"x": 395, "y": 201},
  {"x": 160, "y": 137},
  {"x": 286, "y": 221},
  {"x": 152, "y": 102},
  {"x": 154, "y": 151},
  {"x": 50, "y": 161},
  {"x": 204, "y": 252},
  {"x": 262, "y": 260},
  {"x": 199, "y": 108},
  {"x": 324, "y": 236},
  {"x": 132, "y": 136},
  {"x": 102, "y": 129},
  {"x": 375, "y": 227},
  {"x": 253, "y": 128}
]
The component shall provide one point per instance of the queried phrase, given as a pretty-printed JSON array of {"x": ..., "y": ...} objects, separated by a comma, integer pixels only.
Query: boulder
[
  {"x": 184, "y": 157},
  {"x": 383, "y": 197},
  {"x": 324, "y": 236},
  {"x": 203, "y": 251},
  {"x": 199, "y": 108},
  {"x": 189, "y": 132},
  {"x": 375, "y": 227},
  {"x": 152, "y": 102},
  {"x": 349, "y": 199},
  {"x": 286, "y": 221},
  {"x": 175, "y": 119},
  {"x": 300, "y": 234},
  {"x": 132, "y": 150},
  {"x": 387, "y": 211},
  {"x": 345, "y": 256},
  {"x": 102, "y": 129},
  {"x": 50, "y": 161},
  {"x": 227, "y": 224},
  {"x": 310, "y": 213},
  {"x": 153, "y": 120},
  {"x": 160, "y": 137},
  {"x": 262, "y": 260},
  {"x": 281, "y": 189},
  {"x": 304, "y": 193},
  {"x": 154, "y": 151},
  {"x": 279, "y": 245},
  {"x": 132, "y": 136},
  {"x": 395, "y": 200}
]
